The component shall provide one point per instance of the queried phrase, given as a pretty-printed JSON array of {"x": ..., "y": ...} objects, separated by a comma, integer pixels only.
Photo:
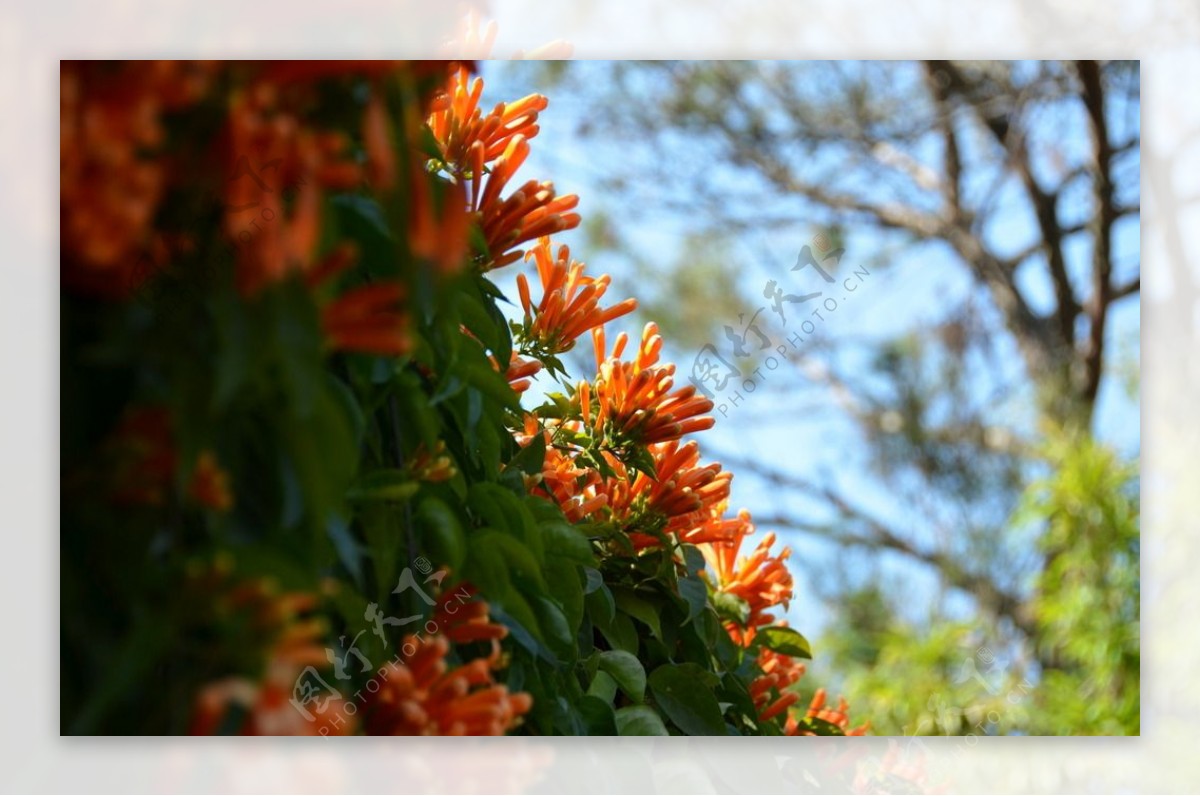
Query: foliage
[{"x": 301, "y": 493}]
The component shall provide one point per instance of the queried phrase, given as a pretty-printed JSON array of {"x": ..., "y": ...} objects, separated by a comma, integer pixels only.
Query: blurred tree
[{"x": 1021, "y": 175}]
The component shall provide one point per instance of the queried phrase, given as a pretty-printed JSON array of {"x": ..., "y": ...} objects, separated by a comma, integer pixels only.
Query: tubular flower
[
  {"x": 519, "y": 372},
  {"x": 369, "y": 320},
  {"x": 437, "y": 231},
  {"x": 377, "y": 142},
  {"x": 270, "y": 155},
  {"x": 570, "y": 484},
  {"x": 837, "y": 716},
  {"x": 633, "y": 401},
  {"x": 464, "y": 619},
  {"x": 761, "y": 581},
  {"x": 296, "y": 642},
  {"x": 532, "y": 211},
  {"x": 424, "y": 696},
  {"x": 768, "y": 690},
  {"x": 570, "y": 303},
  {"x": 676, "y": 499},
  {"x": 458, "y": 123}
]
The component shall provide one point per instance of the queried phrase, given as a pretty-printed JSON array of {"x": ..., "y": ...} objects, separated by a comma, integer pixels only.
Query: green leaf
[
  {"x": 783, "y": 640},
  {"x": 441, "y": 535},
  {"x": 690, "y": 705},
  {"x": 594, "y": 579},
  {"x": 349, "y": 551},
  {"x": 531, "y": 458},
  {"x": 384, "y": 485},
  {"x": 603, "y": 686},
  {"x": 695, "y": 593},
  {"x": 730, "y": 607},
  {"x": 639, "y": 608},
  {"x": 627, "y": 670},
  {"x": 566, "y": 541},
  {"x": 597, "y": 714},
  {"x": 639, "y": 720}
]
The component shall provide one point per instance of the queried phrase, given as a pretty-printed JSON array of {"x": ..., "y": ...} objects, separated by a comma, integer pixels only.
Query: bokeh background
[{"x": 926, "y": 276}]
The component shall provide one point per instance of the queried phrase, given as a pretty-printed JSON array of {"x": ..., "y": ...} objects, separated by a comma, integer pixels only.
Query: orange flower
[
  {"x": 634, "y": 402},
  {"x": 377, "y": 141},
  {"x": 210, "y": 484},
  {"x": 423, "y": 696},
  {"x": 296, "y": 641},
  {"x": 112, "y": 175},
  {"x": 438, "y": 234},
  {"x": 838, "y": 716},
  {"x": 570, "y": 301},
  {"x": 575, "y": 488},
  {"x": 762, "y": 580},
  {"x": 370, "y": 320},
  {"x": 519, "y": 372},
  {"x": 271, "y": 154},
  {"x": 673, "y": 501},
  {"x": 532, "y": 211},
  {"x": 465, "y": 620},
  {"x": 435, "y": 466},
  {"x": 458, "y": 123},
  {"x": 768, "y": 689},
  {"x": 144, "y": 461}
]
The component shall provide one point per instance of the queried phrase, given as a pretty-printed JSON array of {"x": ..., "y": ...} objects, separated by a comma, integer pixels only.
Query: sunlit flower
[
  {"x": 761, "y": 580},
  {"x": 458, "y": 122},
  {"x": 423, "y": 695},
  {"x": 520, "y": 370},
  {"x": 837, "y": 716},
  {"x": 570, "y": 303},
  {"x": 534, "y": 210},
  {"x": 634, "y": 402},
  {"x": 674, "y": 500},
  {"x": 769, "y": 690}
]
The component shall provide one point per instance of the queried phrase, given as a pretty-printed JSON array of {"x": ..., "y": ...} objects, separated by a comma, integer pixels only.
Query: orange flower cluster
[
  {"x": 425, "y": 696},
  {"x": 484, "y": 151},
  {"x": 143, "y": 464},
  {"x": 532, "y": 211},
  {"x": 570, "y": 303},
  {"x": 762, "y": 580},
  {"x": 676, "y": 500},
  {"x": 112, "y": 171},
  {"x": 779, "y": 672},
  {"x": 633, "y": 401},
  {"x": 296, "y": 642},
  {"x": 837, "y": 716},
  {"x": 458, "y": 123},
  {"x": 277, "y": 172}
]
